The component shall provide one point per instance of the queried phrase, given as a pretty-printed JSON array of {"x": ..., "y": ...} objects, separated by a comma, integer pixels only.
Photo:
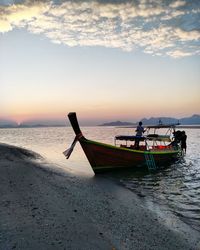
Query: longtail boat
[{"x": 157, "y": 150}]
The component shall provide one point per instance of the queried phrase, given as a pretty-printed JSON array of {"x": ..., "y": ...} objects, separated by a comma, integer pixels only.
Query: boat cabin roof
[{"x": 151, "y": 137}]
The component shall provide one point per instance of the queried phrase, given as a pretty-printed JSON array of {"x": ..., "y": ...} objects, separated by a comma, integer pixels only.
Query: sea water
[{"x": 175, "y": 189}]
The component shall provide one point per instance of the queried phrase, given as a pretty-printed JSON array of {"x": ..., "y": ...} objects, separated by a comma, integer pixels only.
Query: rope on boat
[{"x": 150, "y": 161}]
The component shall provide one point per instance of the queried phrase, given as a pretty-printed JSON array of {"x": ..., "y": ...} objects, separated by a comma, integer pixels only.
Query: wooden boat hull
[{"x": 105, "y": 157}]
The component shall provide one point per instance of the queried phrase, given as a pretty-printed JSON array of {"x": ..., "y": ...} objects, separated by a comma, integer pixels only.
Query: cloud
[
  {"x": 5, "y": 26},
  {"x": 154, "y": 27},
  {"x": 177, "y": 4},
  {"x": 178, "y": 53},
  {"x": 19, "y": 15},
  {"x": 187, "y": 35}
]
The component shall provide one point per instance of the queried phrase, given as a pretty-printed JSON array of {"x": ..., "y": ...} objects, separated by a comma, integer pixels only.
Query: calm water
[{"x": 175, "y": 189}]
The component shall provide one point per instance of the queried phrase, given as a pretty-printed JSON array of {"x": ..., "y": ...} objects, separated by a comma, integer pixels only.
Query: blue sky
[{"x": 103, "y": 60}]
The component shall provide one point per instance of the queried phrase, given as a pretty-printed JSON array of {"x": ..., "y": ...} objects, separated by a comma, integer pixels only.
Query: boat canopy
[{"x": 168, "y": 136}]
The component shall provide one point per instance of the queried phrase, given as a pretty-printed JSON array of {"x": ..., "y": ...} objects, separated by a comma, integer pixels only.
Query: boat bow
[{"x": 74, "y": 123}]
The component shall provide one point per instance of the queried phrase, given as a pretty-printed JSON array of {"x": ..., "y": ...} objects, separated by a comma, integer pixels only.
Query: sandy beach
[{"x": 43, "y": 207}]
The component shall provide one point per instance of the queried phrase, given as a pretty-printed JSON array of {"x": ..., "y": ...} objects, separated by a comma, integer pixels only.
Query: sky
[{"x": 105, "y": 60}]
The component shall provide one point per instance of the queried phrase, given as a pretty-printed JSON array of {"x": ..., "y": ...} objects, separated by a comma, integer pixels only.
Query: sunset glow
[{"x": 105, "y": 61}]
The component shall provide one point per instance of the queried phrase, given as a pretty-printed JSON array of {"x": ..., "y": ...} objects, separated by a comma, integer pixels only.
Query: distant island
[
  {"x": 32, "y": 124},
  {"x": 117, "y": 123},
  {"x": 192, "y": 120}
]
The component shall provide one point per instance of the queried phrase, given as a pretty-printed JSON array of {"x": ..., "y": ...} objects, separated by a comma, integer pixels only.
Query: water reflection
[{"x": 176, "y": 187}]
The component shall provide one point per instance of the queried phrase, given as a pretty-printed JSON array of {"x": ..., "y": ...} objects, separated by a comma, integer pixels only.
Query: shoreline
[{"x": 46, "y": 208}]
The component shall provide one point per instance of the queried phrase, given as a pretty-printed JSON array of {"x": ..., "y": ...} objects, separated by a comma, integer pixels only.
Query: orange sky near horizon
[
  {"x": 104, "y": 102},
  {"x": 125, "y": 64},
  {"x": 19, "y": 113}
]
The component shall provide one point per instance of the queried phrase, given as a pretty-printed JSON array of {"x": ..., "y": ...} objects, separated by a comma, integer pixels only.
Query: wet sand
[{"x": 42, "y": 207}]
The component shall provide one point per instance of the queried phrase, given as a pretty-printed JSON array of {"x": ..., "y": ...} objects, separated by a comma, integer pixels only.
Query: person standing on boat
[{"x": 139, "y": 132}]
